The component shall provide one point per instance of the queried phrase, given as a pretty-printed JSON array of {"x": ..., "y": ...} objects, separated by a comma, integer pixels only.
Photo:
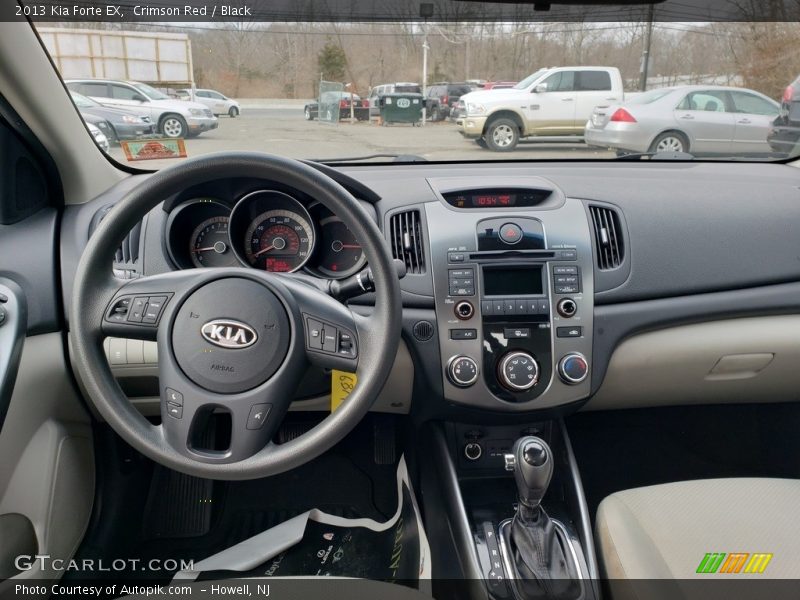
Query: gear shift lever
[
  {"x": 537, "y": 552},
  {"x": 532, "y": 463}
]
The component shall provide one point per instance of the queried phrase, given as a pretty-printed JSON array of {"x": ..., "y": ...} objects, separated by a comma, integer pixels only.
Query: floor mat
[
  {"x": 345, "y": 482},
  {"x": 317, "y": 543}
]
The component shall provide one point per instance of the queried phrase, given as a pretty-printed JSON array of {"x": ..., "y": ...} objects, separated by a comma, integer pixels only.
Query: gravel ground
[{"x": 284, "y": 131}]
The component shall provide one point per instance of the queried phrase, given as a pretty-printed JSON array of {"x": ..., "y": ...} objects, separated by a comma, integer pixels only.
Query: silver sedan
[{"x": 709, "y": 120}]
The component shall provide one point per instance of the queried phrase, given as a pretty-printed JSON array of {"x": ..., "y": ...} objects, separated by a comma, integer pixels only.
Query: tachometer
[
  {"x": 210, "y": 245},
  {"x": 279, "y": 240},
  {"x": 340, "y": 253}
]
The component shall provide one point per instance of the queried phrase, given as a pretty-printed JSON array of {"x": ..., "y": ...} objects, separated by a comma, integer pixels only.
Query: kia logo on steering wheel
[{"x": 227, "y": 333}]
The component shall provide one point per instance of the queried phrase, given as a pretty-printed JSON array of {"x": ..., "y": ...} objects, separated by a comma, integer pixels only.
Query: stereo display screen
[{"x": 513, "y": 281}]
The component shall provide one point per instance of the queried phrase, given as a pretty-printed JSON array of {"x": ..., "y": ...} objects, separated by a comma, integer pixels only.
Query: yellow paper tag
[{"x": 342, "y": 383}]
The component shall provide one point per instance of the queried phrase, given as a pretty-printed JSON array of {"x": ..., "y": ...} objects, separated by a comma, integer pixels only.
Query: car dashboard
[{"x": 525, "y": 284}]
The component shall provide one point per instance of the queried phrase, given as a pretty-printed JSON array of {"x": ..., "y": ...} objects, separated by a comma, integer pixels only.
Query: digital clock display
[{"x": 494, "y": 200}]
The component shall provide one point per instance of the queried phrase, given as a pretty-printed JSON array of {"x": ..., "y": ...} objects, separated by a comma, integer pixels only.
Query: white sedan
[{"x": 219, "y": 103}]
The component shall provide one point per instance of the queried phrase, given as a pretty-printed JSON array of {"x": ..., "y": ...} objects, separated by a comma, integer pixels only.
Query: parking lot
[{"x": 283, "y": 130}]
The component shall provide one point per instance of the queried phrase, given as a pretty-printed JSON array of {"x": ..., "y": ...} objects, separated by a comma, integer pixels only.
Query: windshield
[
  {"x": 285, "y": 87},
  {"x": 150, "y": 92},
  {"x": 526, "y": 83}
]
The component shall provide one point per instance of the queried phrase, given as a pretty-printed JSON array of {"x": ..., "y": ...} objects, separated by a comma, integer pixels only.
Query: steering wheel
[{"x": 231, "y": 340}]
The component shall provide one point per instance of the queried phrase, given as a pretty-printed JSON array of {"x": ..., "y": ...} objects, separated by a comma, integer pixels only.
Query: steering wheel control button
[
  {"x": 174, "y": 396},
  {"x": 118, "y": 312},
  {"x": 213, "y": 341},
  {"x": 315, "y": 337},
  {"x": 330, "y": 336},
  {"x": 174, "y": 410},
  {"x": 518, "y": 371},
  {"x": 462, "y": 371},
  {"x": 573, "y": 368},
  {"x": 136, "y": 311},
  {"x": 330, "y": 339},
  {"x": 2, "y": 315},
  {"x": 463, "y": 334},
  {"x": 258, "y": 416},
  {"x": 511, "y": 233},
  {"x": 569, "y": 332}
]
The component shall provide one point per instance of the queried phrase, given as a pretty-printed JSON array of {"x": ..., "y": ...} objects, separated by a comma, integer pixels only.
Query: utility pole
[
  {"x": 648, "y": 40},
  {"x": 426, "y": 12},
  {"x": 425, "y": 48}
]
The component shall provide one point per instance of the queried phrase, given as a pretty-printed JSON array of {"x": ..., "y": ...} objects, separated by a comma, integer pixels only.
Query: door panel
[
  {"x": 47, "y": 467},
  {"x": 704, "y": 117},
  {"x": 553, "y": 111},
  {"x": 754, "y": 116}
]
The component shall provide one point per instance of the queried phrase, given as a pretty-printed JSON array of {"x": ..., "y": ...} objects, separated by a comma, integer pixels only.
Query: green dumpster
[{"x": 401, "y": 108}]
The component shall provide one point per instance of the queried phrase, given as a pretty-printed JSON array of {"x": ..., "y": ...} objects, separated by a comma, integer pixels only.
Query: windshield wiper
[
  {"x": 394, "y": 157},
  {"x": 656, "y": 156}
]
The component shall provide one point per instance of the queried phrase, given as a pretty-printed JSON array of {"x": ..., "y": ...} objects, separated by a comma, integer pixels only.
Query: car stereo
[{"x": 514, "y": 297}]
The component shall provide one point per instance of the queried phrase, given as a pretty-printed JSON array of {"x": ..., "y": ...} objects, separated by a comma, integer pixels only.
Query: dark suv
[
  {"x": 443, "y": 96},
  {"x": 785, "y": 133}
]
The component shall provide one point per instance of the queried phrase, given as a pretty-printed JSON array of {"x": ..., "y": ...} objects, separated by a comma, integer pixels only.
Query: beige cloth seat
[{"x": 665, "y": 531}]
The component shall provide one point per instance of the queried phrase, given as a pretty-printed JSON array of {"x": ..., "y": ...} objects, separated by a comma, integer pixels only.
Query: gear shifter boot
[{"x": 544, "y": 567}]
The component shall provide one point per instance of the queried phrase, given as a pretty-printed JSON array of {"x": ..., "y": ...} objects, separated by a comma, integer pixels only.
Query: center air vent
[
  {"x": 406, "y": 237},
  {"x": 608, "y": 237}
]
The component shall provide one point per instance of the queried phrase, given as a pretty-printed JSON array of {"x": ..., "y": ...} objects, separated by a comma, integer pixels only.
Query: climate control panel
[{"x": 514, "y": 301}]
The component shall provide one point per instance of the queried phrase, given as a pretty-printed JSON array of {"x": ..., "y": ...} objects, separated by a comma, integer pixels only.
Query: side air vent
[
  {"x": 608, "y": 237},
  {"x": 405, "y": 229},
  {"x": 126, "y": 258}
]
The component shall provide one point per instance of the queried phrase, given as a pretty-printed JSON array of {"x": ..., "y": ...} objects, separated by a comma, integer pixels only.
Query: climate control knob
[
  {"x": 573, "y": 368},
  {"x": 462, "y": 371},
  {"x": 518, "y": 371}
]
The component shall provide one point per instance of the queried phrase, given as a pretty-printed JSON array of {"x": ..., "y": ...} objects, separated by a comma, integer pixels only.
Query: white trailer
[{"x": 160, "y": 59}]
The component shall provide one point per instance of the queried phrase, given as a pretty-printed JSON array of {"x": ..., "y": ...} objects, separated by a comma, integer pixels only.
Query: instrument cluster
[{"x": 265, "y": 229}]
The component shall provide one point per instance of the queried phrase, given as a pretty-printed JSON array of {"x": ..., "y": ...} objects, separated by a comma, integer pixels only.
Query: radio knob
[
  {"x": 573, "y": 368},
  {"x": 462, "y": 371},
  {"x": 519, "y": 371}
]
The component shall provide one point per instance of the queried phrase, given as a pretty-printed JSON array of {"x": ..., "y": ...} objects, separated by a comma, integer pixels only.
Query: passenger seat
[{"x": 679, "y": 530}]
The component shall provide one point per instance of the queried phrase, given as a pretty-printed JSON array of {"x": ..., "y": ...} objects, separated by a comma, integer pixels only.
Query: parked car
[
  {"x": 442, "y": 97},
  {"x": 99, "y": 136},
  {"x": 497, "y": 85},
  {"x": 173, "y": 118},
  {"x": 401, "y": 87},
  {"x": 784, "y": 135},
  {"x": 121, "y": 124},
  {"x": 219, "y": 103},
  {"x": 459, "y": 110},
  {"x": 550, "y": 102},
  {"x": 342, "y": 100},
  {"x": 695, "y": 119}
]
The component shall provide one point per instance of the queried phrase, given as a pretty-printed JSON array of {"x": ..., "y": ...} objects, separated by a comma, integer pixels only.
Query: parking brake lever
[{"x": 360, "y": 283}]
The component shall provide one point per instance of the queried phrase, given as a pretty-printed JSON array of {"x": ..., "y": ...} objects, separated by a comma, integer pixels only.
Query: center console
[{"x": 513, "y": 282}]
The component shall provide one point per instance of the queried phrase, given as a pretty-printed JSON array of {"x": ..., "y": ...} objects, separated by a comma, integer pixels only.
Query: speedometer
[{"x": 279, "y": 240}]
